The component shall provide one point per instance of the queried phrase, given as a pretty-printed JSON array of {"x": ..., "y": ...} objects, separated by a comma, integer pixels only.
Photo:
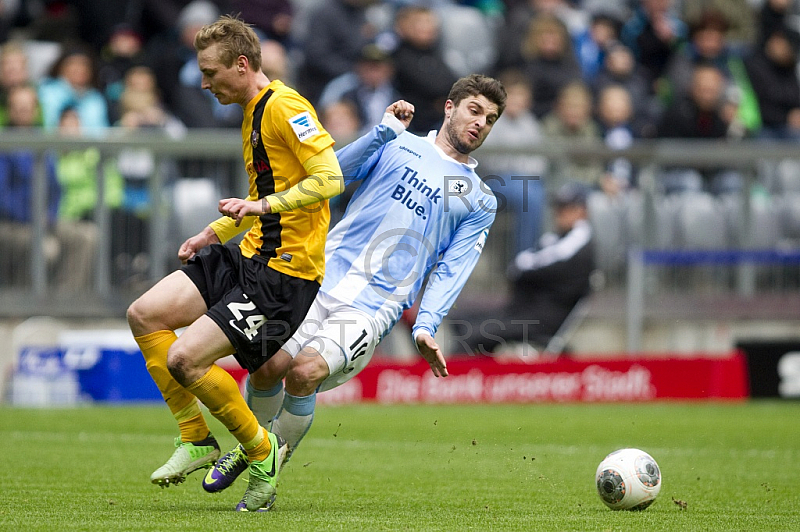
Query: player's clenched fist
[
  {"x": 237, "y": 208},
  {"x": 403, "y": 110}
]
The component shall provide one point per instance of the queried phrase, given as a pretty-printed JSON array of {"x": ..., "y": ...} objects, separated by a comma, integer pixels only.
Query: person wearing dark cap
[{"x": 546, "y": 282}]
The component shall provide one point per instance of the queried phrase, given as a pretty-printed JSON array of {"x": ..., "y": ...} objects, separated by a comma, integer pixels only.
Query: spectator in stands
[
  {"x": 341, "y": 120},
  {"x": 175, "y": 66},
  {"x": 775, "y": 15},
  {"x": 614, "y": 116},
  {"x": 517, "y": 179},
  {"x": 590, "y": 46},
  {"x": 23, "y": 108},
  {"x": 368, "y": 87},
  {"x": 572, "y": 121},
  {"x": 421, "y": 75},
  {"x": 141, "y": 108},
  {"x": 740, "y": 14},
  {"x": 620, "y": 68},
  {"x": 699, "y": 113},
  {"x": 549, "y": 61},
  {"x": 275, "y": 62},
  {"x": 72, "y": 83},
  {"x": 78, "y": 172},
  {"x": 772, "y": 71},
  {"x": 547, "y": 281},
  {"x": 703, "y": 114},
  {"x": 518, "y": 22},
  {"x": 708, "y": 45},
  {"x": 141, "y": 105},
  {"x": 124, "y": 50},
  {"x": 17, "y": 171},
  {"x": 337, "y": 32},
  {"x": 13, "y": 73},
  {"x": 654, "y": 33}
]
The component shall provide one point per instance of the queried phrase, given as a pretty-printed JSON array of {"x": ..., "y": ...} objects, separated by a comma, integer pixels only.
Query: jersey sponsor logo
[
  {"x": 287, "y": 257},
  {"x": 414, "y": 183},
  {"x": 254, "y": 136},
  {"x": 261, "y": 166},
  {"x": 481, "y": 240},
  {"x": 412, "y": 152},
  {"x": 304, "y": 126}
]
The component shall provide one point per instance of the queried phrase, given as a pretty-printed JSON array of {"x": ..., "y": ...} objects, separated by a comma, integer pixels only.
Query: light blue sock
[
  {"x": 264, "y": 403},
  {"x": 295, "y": 418}
]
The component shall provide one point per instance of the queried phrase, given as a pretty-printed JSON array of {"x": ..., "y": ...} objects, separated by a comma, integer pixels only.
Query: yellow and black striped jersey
[{"x": 280, "y": 132}]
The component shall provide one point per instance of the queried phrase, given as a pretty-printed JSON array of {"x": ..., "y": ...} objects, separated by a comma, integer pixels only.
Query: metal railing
[{"x": 106, "y": 297}]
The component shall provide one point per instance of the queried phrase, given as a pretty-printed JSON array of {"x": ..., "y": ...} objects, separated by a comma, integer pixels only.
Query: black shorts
[{"x": 257, "y": 308}]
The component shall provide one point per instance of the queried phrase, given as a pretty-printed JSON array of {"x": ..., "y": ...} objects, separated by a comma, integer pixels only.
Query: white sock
[
  {"x": 295, "y": 418},
  {"x": 264, "y": 403}
]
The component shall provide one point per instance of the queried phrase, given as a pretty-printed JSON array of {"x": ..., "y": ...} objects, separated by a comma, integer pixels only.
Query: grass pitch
[{"x": 508, "y": 467}]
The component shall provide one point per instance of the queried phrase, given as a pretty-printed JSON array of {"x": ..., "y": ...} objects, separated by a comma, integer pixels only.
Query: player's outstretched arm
[
  {"x": 194, "y": 244},
  {"x": 432, "y": 353}
]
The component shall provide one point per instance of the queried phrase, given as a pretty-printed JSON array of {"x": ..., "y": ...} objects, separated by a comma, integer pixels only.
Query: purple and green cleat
[{"x": 226, "y": 470}]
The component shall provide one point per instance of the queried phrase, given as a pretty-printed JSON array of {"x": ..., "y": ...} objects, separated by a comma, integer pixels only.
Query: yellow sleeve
[
  {"x": 225, "y": 227},
  {"x": 323, "y": 181}
]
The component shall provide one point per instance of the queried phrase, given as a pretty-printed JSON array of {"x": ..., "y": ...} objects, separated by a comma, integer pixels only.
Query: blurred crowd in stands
[{"x": 605, "y": 71}]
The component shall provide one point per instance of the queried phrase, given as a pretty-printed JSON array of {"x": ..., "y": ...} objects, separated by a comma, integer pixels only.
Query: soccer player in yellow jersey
[{"x": 245, "y": 300}]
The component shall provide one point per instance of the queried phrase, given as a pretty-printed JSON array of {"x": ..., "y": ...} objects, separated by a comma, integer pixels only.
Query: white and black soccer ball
[{"x": 628, "y": 479}]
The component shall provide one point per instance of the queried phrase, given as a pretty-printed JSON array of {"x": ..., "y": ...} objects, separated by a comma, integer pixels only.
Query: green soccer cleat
[
  {"x": 262, "y": 488},
  {"x": 188, "y": 457}
]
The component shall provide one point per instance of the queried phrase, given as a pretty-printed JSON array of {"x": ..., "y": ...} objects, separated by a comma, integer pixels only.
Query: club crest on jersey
[
  {"x": 459, "y": 187},
  {"x": 304, "y": 126},
  {"x": 254, "y": 138}
]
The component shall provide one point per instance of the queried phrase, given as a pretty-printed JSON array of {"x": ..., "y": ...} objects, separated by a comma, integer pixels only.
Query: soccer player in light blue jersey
[{"x": 420, "y": 212}]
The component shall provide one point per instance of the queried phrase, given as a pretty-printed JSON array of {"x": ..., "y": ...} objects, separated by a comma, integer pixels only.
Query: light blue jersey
[{"x": 417, "y": 212}]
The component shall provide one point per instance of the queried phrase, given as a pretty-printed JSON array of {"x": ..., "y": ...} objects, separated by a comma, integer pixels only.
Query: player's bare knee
[
  {"x": 180, "y": 366},
  {"x": 266, "y": 377},
  {"x": 135, "y": 317},
  {"x": 305, "y": 374},
  {"x": 142, "y": 319}
]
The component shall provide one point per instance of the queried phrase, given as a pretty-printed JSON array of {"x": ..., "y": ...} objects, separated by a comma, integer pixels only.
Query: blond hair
[{"x": 235, "y": 37}]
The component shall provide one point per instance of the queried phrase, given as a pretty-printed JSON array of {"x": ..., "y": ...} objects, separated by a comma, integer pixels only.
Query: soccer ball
[{"x": 628, "y": 479}]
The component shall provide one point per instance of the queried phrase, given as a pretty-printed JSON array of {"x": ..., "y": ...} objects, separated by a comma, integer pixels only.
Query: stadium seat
[
  {"x": 788, "y": 176},
  {"x": 607, "y": 217},
  {"x": 701, "y": 222},
  {"x": 764, "y": 231},
  {"x": 195, "y": 202},
  {"x": 790, "y": 217},
  {"x": 666, "y": 208}
]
